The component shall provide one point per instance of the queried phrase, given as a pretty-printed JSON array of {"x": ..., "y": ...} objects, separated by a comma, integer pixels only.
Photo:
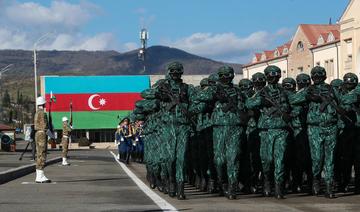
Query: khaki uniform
[
  {"x": 65, "y": 139},
  {"x": 41, "y": 125}
]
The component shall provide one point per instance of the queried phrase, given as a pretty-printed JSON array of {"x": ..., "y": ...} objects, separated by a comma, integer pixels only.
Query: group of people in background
[
  {"x": 129, "y": 140},
  {"x": 259, "y": 136}
]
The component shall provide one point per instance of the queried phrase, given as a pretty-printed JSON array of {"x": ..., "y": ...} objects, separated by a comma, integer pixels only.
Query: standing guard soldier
[
  {"x": 41, "y": 126},
  {"x": 66, "y": 133},
  {"x": 322, "y": 128},
  {"x": 273, "y": 124}
]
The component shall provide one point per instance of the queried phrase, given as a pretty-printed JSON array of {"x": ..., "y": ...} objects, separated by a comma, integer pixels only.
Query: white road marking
[
  {"x": 33, "y": 183},
  {"x": 163, "y": 204}
]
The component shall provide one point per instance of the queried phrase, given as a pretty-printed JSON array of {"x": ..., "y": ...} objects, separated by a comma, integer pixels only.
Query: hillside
[{"x": 96, "y": 63}]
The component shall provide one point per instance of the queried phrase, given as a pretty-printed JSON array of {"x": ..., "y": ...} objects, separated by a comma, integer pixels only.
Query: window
[
  {"x": 349, "y": 48},
  {"x": 320, "y": 40},
  {"x": 276, "y": 53},
  {"x": 300, "y": 46},
  {"x": 285, "y": 51},
  {"x": 331, "y": 37}
]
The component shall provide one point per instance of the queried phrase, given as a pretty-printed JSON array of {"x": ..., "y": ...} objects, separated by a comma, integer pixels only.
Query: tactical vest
[{"x": 278, "y": 96}]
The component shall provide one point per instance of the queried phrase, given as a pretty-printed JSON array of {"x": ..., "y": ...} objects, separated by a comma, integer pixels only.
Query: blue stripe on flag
[{"x": 95, "y": 84}]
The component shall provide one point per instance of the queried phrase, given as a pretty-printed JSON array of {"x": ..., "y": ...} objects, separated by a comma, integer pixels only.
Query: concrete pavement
[{"x": 96, "y": 182}]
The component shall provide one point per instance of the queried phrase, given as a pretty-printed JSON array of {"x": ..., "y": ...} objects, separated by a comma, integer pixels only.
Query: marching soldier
[
  {"x": 273, "y": 124},
  {"x": 345, "y": 154},
  {"x": 176, "y": 96},
  {"x": 322, "y": 128},
  {"x": 66, "y": 133},
  {"x": 41, "y": 126}
]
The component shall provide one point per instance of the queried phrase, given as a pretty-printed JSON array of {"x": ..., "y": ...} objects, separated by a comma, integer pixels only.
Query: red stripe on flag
[{"x": 93, "y": 102}]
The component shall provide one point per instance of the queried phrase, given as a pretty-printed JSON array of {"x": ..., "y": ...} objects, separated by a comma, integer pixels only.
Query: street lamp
[{"x": 41, "y": 39}]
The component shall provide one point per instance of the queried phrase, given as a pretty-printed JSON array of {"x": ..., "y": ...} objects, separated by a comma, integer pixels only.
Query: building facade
[{"x": 350, "y": 39}]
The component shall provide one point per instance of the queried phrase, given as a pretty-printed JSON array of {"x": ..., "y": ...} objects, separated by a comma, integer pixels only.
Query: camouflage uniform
[
  {"x": 274, "y": 107},
  {"x": 65, "y": 139},
  {"x": 41, "y": 125},
  {"x": 322, "y": 128}
]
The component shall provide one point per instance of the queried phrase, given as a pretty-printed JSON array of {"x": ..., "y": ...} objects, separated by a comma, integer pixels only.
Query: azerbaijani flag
[{"x": 98, "y": 102}]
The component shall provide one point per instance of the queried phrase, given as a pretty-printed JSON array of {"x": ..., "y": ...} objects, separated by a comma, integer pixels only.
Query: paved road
[{"x": 95, "y": 182}]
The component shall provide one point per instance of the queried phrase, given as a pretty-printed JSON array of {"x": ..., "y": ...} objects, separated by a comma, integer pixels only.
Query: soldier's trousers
[
  {"x": 65, "y": 146},
  {"x": 177, "y": 146},
  {"x": 40, "y": 139},
  {"x": 322, "y": 142},
  {"x": 272, "y": 150},
  {"x": 255, "y": 159},
  {"x": 227, "y": 142}
]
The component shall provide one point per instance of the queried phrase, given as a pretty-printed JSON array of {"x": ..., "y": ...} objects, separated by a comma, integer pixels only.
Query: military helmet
[
  {"x": 303, "y": 79},
  {"x": 245, "y": 84},
  {"x": 226, "y": 72},
  {"x": 258, "y": 77},
  {"x": 272, "y": 71},
  {"x": 148, "y": 94},
  {"x": 213, "y": 78},
  {"x": 318, "y": 71},
  {"x": 336, "y": 83},
  {"x": 351, "y": 78},
  {"x": 204, "y": 82},
  {"x": 175, "y": 67},
  {"x": 289, "y": 83}
]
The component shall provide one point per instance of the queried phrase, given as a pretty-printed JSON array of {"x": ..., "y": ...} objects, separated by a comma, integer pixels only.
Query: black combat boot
[
  {"x": 267, "y": 187},
  {"x": 152, "y": 181},
  {"x": 159, "y": 184},
  {"x": 231, "y": 194},
  {"x": 172, "y": 189},
  {"x": 180, "y": 191},
  {"x": 212, "y": 186},
  {"x": 165, "y": 186},
  {"x": 329, "y": 191},
  {"x": 203, "y": 185},
  {"x": 279, "y": 191},
  {"x": 316, "y": 187}
]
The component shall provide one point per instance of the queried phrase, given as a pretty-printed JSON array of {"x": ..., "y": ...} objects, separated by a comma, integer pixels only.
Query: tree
[
  {"x": 6, "y": 99},
  {"x": 10, "y": 117}
]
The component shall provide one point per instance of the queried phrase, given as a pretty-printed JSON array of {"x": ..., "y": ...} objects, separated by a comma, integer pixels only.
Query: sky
[{"x": 224, "y": 30}]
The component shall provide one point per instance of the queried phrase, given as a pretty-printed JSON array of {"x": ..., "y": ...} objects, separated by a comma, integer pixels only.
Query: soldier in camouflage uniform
[
  {"x": 41, "y": 126},
  {"x": 176, "y": 96},
  {"x": 348, "y": 135},
  {"x": 228, "y": 125},
  {"x": 66, "y": 133},
  {"x": 322, "y": 128},
  {"x": 252, "y": 133},
  {"x": 302, "y": 155},
  {"x": 246, "y": 87},
  {"x": 336, "y": 84},
  {"x": 273, "y": 124}
]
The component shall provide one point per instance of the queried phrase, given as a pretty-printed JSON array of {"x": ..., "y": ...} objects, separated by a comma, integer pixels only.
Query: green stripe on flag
[{"x": 90, "y": 120}]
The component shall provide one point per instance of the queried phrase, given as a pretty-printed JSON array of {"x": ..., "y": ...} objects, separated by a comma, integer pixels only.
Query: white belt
[{"x": 65, "y": 136}]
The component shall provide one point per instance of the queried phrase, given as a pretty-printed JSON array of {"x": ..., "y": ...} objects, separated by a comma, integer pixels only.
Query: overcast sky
[{"x": 226, "y": 30}]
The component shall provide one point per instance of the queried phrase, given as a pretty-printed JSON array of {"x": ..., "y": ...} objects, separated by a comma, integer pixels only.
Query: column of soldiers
[{"x": 257, "y": 136}]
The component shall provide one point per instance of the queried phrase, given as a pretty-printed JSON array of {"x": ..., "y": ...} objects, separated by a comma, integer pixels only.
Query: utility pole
[
  {"x": 42, "y": 38},
  {"x": 144, "y": 36}
]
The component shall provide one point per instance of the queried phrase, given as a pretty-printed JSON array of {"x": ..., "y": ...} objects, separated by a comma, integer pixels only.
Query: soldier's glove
[
  {"x": 313, "y": 98},
  {"x": 266, "y": 102},
  {"x": 286, "y": 117}
]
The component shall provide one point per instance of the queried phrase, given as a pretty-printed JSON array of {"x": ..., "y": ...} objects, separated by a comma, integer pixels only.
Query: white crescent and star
[{"x": 102, "y": 102}]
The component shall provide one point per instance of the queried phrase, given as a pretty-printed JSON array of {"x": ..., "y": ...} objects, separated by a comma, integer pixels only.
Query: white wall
[
  {"x": 327, "y": 53},
  {"x": 281, "y": 63}
]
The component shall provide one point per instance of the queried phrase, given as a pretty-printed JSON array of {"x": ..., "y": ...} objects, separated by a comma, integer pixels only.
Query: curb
[{"x": 12, "y": 174}]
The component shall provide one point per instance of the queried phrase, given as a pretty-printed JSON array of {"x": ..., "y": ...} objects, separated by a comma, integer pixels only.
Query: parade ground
[{"x": 96, "y": 181}]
